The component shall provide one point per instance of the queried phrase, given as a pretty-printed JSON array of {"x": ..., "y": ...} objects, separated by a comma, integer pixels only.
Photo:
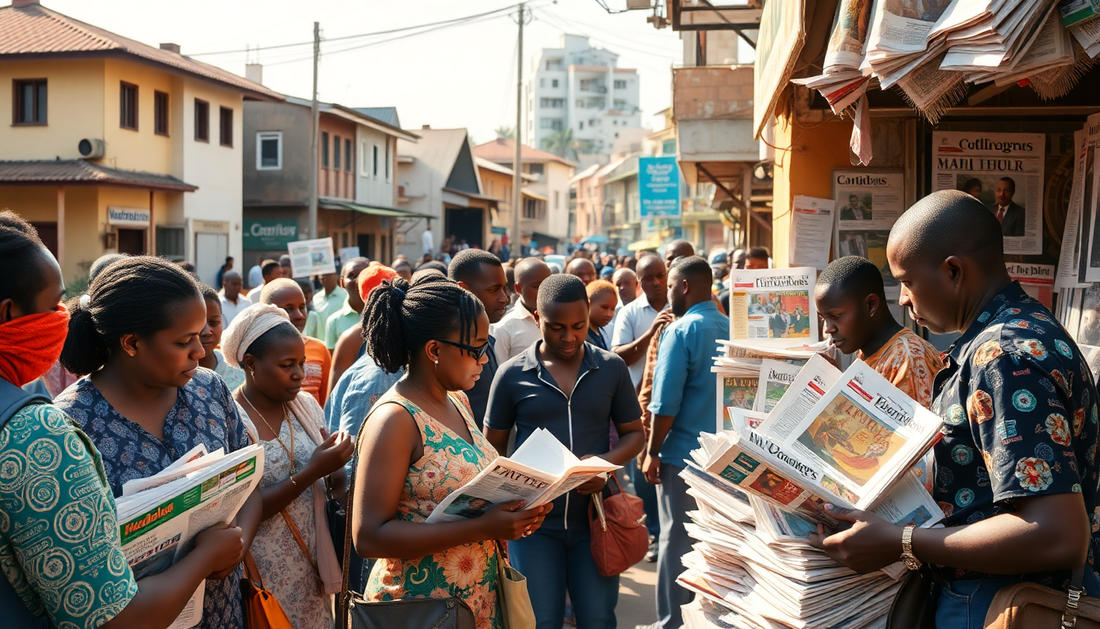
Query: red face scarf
[{"x": 30, "y": 345}]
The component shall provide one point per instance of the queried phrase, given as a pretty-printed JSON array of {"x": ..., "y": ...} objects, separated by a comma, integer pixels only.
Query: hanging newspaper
[
  {"x": 1070, "y": 255},
  {"x": 845, "y": 48},
  {"x": 1037, "y": 280},
  {"x": 1090, "y": 209},
  {"x": 868, "y": 204},
  {"x": 158, "y": 525},
  {"x": 538, "y": 471},
  {"x": 1002, "y": 170},
  {"x": 811, "y": 232},
  {"x": 1078, "y": 11},
  {"x": 773, "y": 307}
]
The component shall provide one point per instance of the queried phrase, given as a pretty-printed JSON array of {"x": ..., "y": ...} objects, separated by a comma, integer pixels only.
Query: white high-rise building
[{"x": 579, "y": 87}]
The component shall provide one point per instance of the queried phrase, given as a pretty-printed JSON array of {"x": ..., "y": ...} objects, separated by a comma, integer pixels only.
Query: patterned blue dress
[{"x": 204, "y": 413}]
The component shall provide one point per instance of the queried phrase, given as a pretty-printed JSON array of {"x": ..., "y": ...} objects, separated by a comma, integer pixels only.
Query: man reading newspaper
[{"x": 1016, "y": 468}]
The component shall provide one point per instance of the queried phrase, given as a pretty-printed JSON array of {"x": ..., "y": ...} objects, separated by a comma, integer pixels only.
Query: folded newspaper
[
  {"x": 538, "y": 471},
  {"x": 159, "y": 516}
]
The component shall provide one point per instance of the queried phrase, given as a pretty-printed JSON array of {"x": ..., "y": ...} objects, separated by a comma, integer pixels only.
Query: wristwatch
[{"x": 907, "y": 557}]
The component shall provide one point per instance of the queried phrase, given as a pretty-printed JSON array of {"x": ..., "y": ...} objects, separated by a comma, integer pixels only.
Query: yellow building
[{"x": 115, "y": 145}]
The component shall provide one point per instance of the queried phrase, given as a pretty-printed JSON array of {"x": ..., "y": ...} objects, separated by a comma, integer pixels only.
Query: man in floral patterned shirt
[{"x": 1016, "y": 471}]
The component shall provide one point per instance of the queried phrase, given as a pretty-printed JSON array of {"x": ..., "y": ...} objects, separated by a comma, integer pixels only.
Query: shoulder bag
[
  {"x": 1029, "y": 605},
  {"x": 619, "y": 535},
  {"x": 261, "y": 610},
  {"x": 515, "y": 599},
  {"x": 354, "y": 611},
  {"x": 914, "y": 606}
]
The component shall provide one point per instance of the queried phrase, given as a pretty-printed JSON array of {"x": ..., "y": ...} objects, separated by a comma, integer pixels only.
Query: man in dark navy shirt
[
  {"x": 481, "y": 273},
  {"x": 577, "y": 392},
  {"x": 1016, "y": 471}
]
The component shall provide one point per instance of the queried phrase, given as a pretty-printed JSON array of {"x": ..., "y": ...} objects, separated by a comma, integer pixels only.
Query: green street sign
[{"x": 269, "y": 234}]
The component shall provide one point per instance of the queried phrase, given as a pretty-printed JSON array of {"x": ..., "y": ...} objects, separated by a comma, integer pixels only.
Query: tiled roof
[
  {"x": 32, "y": 29},
  {"x": 81, "y": 172},
  {"x": 504, "y": 150}
]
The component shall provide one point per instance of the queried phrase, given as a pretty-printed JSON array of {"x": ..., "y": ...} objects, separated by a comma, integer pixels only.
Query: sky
[{"x": 456, "y": 76}]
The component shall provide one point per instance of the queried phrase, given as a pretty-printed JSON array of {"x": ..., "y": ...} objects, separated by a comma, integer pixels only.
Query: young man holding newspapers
[{"x": 1016, "y": 471}]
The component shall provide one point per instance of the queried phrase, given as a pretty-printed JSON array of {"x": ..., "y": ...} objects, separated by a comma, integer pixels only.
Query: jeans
[
  {"x": 554, "y": 561},
  {"x": 674, "y": 503},
  {"x": 964, "y": 604},
  {"x": 648, "y": 494}
]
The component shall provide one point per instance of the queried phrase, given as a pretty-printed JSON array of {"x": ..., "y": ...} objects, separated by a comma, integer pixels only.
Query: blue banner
[{"x": 659, "y": 187}]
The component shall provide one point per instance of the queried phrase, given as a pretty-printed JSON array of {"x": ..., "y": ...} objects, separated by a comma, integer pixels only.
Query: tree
[
  {"x": 506, "y": 132},
  {"x": 562, "y": 143}
]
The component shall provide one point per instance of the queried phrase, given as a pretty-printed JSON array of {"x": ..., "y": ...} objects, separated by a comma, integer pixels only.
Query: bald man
[
  {"x": 626, "y": 281},
  {"x": 677, "y": 249},
  {"x": 1016, "y": 470},
  {"x": 518, "y": 329},
  {"x": 582, "y": 268},
  {"x": 285, "y": 293}
]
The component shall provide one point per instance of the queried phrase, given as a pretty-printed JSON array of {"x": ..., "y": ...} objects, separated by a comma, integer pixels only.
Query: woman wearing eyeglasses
[{"x": 420, "y": 443}]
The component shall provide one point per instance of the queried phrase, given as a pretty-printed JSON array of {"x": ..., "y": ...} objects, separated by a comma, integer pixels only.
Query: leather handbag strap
[
  {"x": 298, "y": 537},
  {"x": 345, "y": 562},
  {"x": 1073, "y": 601},
  {"x": 252, "y": 571}
]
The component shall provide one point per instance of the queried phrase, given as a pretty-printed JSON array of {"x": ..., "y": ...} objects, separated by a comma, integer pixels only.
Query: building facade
[
  {"x": 580, "y": 88},
  {"x": 117, "y": 146}
]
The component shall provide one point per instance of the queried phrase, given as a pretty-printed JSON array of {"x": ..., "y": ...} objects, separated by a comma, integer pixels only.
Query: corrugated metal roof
[
  {"x": 81, "y": 172},
  {"x": 504, "y": 150},
  {"x": 35, "y": 30},
  {"x": 387, "y": 115}
]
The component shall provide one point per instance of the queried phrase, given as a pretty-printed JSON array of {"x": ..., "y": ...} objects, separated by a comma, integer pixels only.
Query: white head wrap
[{"x": 249, "y": 325}]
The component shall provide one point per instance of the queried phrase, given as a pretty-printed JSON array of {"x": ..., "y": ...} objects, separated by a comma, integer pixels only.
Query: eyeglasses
[{"x": 476, "y": 352}]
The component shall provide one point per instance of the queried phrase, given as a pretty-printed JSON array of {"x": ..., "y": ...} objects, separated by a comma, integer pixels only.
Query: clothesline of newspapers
[
  {"x": 794, "y": 433},
  {"x": 159, "y": 516},
  {"x": 931, "y": 50},
  {"x": 1078, "y": 304}
]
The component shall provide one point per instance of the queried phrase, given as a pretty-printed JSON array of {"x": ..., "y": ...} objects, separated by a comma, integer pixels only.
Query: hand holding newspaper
[
  {"x": 159, "y": 516},
  {"x": 538, "y": 471}
]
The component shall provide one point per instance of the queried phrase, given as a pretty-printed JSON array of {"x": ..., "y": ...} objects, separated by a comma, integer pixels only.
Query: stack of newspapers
[
  {"x": 849, "y": 439},
  {"x": 159, "y": 516}
]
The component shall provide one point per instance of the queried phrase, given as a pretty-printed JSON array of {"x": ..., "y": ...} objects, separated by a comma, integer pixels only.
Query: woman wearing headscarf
[{"x": 293, "y": 549}]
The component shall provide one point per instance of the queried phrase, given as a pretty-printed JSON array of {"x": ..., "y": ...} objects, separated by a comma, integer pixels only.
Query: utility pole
[
  {"x": 517, "y": 180},
  {"x": 315, "y": 119}
]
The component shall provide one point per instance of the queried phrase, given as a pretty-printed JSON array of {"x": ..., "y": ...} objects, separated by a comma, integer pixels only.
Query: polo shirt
[
  {"x": 338, "y": 323},
  {"x": 324, "y": 304},
  {"x": 255, "y": 276},
  {"x": 632, "y": 323},
  {"x": 1019, "y": 411},
  {"x": 525, "y": 395},
  {"x": 683, "y": 385},
  {"x": 515, "y": 332},
  {"x": 479, "y": 395},
  {"x": 230, "y": 309}
]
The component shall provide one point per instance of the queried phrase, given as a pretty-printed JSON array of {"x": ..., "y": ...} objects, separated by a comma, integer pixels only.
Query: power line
[
  {"x": 360, "y": 35},
  {"x": 566, "y": 25}
]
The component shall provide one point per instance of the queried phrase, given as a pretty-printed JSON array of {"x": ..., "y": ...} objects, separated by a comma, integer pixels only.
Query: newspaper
[
  {"x": 811, "y": 232},
  {"x": 311, "y": 257},
  {"x": 538, "y": 471},
  {"x": 741, "y": 350},
  {"x": 736, "y": 393},
  {"x": 1037, "y": 280},
  {"x": 868, "y": 204},
  {"x": 1089, "y": 271},
  {"x": 845, "y": 48},
  {"x": 775, "y": 378},
  {"x": 1078, "y": 11},
  {"x": 1002, "y": 170},
  {"x": 158, "y": 525},
  {"x": 1070, "y": 254},
  {"x": 773, "y": 307},
  {"x": 1088, "y": 35},
  {"x": 1052, "y": 48}
]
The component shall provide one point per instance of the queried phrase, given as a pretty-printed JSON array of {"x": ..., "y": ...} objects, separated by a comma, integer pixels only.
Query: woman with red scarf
[{"x": 70, "y": 572}]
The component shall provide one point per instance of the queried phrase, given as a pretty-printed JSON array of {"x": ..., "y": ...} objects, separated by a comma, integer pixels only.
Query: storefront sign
[
  {"x": 269, "y": 234},
  {"x": 659, "y": 187},
  {"x": 127, "y": 217}
]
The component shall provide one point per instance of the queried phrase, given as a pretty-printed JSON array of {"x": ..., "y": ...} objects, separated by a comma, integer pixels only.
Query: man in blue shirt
[
  {"x": 683, "y": 406},
  {"x": 1016, "y": 470},
  {"x": 577, "y": 392}
]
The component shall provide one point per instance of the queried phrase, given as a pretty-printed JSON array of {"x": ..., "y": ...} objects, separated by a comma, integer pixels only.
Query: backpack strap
[{"x": 13, "y": 399}]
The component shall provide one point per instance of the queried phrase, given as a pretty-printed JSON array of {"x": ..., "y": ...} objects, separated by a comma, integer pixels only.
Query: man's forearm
[
  {"x": 635, "y": 350},
  {"x": 660, "y": 425}
]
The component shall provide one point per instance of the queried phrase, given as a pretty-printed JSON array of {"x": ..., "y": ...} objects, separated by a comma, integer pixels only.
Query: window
[
  {"x": 620, "y": 84},
  {"x": 535, "y": 169},
  {"x": 170, "y": 242},
  {"x": 387, "y": 159},
  {"x": 364, "y": 168},
  {"x": 554, "y": 124},
  {"x": 269, "y": 150},
  {"x": 542, "y": 82},
  {"x": 582, "y": 125},
  {"x": 620, "y": 104},
  {"x": 336, "y": 152},
  {"x": 374, "y": 160},
  {"x": 553, "y": 82},
  {"x": 225, "y": 126},
  {"x": 160, "y": 113},
  {"x": 202, "y": 121},
  {"x": 580, "y": 104},
  {"x": 324, "y": 149},
  {"x": 347, "y": 154},
  {"x": 30, "y": 102},
  {"x": 552, "y": 103},
  {"x": 128, "y": 106}
]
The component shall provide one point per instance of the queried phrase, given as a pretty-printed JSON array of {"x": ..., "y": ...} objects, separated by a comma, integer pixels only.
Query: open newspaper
[
  {"x": 775, "y": 378},
  {"x": 158, "y": 524},
  {"x": 773, "y": 307},
  {"x": 538, "y": 471}
]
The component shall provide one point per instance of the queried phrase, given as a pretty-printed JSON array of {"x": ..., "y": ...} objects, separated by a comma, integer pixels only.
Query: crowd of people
[{"x": 409, "y": 379}]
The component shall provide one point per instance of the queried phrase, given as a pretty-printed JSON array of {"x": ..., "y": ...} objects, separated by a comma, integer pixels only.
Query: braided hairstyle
[
  {"x": 400, "y": 318},
  {"x": 134, "y": 295},
  {"x": 21, "y": 272}
]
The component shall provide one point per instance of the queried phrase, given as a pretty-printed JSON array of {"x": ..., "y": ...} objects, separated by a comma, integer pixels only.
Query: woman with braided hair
[{"x": 420, "y": 443}]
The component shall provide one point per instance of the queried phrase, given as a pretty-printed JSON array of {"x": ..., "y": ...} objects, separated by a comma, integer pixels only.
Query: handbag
[
  {"x": 619, "y": 535},
  {"x": 261, "y": 610},
  {"x": 914, "y": 607},
  {"x": 353, "y": 611},
  {"x": 515, "y": 599},
  {"x": 1026, "y": 605},
  {"x": 337, "y": 520}
]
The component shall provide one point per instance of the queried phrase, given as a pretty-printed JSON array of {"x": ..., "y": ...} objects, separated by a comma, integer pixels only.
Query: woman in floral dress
[{"x": 420, "y": 444}]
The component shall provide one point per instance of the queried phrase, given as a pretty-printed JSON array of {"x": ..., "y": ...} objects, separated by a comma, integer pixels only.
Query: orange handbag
[
  {"x": 261, "y": 610},
  {"x": 619, "y": 535},
  {"x": 1033, "y": 606}
]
